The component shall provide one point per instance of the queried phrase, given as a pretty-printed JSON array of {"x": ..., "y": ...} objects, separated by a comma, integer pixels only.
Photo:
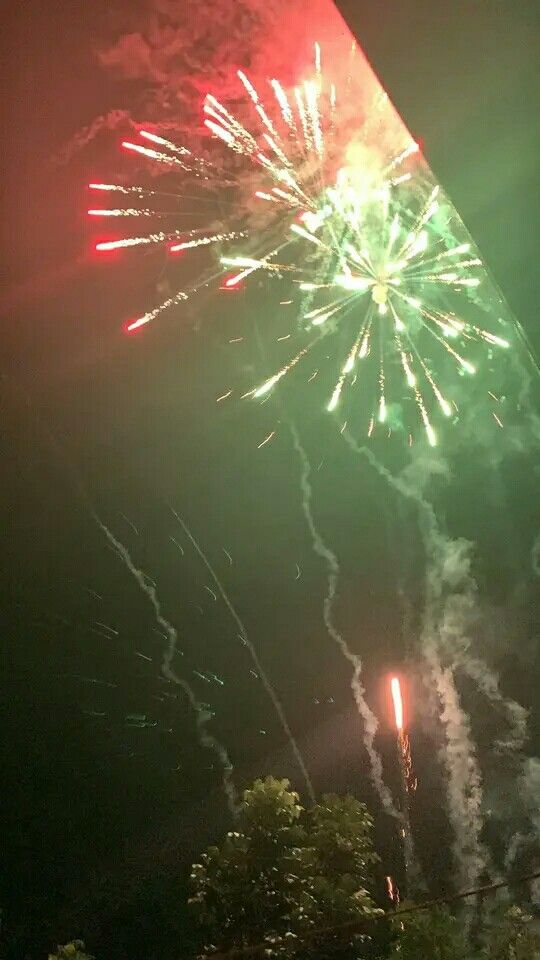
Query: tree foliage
[
  {"x": 285, "y": 873},
  {"x": 71, "y": 951},
  {"x": 433, "y": 935},
  {"x": 512, "y": 938}
]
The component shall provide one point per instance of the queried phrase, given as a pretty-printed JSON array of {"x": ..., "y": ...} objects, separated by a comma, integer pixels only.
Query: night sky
[{"x": 105, "y": 788}]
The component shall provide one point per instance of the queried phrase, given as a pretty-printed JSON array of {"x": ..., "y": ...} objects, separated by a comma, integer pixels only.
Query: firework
[
  {"x": 397, "y": 700},
  {"x": 408, "y": 785},
  {"x": 404, "y": 747},
  {"x": 392, "y": 299}
]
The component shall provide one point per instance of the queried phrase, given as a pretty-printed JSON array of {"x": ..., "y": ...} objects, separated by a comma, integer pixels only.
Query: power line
[{"x": 360, "y": 925}]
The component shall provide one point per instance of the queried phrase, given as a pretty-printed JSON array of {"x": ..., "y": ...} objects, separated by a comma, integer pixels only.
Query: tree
[
  {"x": 433, "y": 935},
  {"x": 71, "y": 951},
  {"x": 285, "y": 873},
  {"x": 513, "y": 938}
]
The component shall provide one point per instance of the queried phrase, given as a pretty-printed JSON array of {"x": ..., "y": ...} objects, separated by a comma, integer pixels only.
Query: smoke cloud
[
  {"x": 174, "y": 52},
  {"x": 181, "y": 49}
]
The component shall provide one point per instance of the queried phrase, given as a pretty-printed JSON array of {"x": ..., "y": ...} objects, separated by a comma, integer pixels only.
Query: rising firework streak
[
  {"x": 409, "y": 780},
  {"x": 408, "y": 784}
]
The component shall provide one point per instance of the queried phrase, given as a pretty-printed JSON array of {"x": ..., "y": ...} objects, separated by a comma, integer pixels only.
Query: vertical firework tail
[{"x": 408, "y": 786}]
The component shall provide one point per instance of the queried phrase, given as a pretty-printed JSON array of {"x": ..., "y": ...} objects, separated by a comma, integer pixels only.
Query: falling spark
[
  {"x": 392, "y": 890},
  {"x": 152, "y": 314},
  {"x": 181, "y": 549},
  {"x": 106, "y": 627},
  {"x": 267, "y": 439},
  {"x": 132, "y": 525}
]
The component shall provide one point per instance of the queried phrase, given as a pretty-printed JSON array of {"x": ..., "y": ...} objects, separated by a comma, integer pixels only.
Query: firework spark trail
[
  {"x": 459, "y": 755},
  {"x": 370, "y": 721},
  {"x": 206, "y": 739},
  {"x": 403, "y": 743},
  {"x": 254, "y": 656},
  {"x": 412, "y": 868}
]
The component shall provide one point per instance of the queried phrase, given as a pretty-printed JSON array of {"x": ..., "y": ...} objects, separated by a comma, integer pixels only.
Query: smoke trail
[
  {"x": 459, "y": 614},
  {"x": 451, "y": 602},
  {"x": 370, "y": 721},
  {"x": 81, "y": 139},
  {"x": 529, "y": 787},
  {"x": 523, "y": 846},
  {"x": 464, "y": 778},
  {"x": 451, "y": 609},
  {"x": 517, "y": 716},
  {"x": 254, "y": 656},
  {"x": 447, "y": 584},
  {"x": 205, "y": 738},
  {"x": 535, "y": 556}
]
